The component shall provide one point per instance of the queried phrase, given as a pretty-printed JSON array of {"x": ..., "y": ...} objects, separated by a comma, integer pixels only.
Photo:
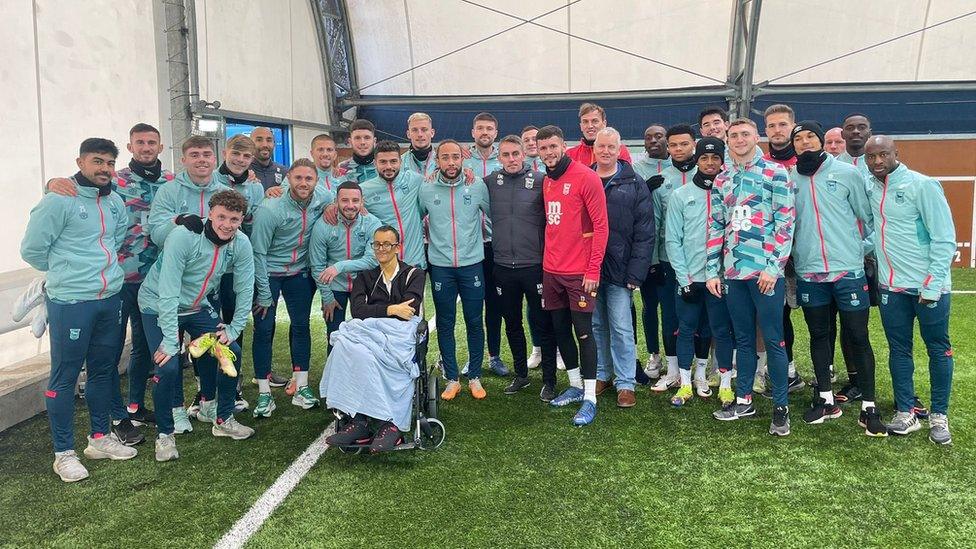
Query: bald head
[
  {"x": 880, "y": 155},
  {"x": 834, "y": 141},
  {"x": 264, "y": 141}
]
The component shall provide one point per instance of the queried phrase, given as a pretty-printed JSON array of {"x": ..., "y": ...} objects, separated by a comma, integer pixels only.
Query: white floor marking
[{"x": 251, "y": 522}]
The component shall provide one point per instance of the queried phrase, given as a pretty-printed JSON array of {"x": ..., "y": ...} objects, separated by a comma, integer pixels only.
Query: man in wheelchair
[{"x": 370, "y": 373}]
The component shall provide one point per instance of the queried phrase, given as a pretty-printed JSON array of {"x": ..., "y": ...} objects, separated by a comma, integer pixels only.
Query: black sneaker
[
  {"x": 919, "y": 409},
  {"x": 641, "y": 376},
  {"x": 820, "y": 412},
  {"x": 547, "y": 393},
  {"x": 129, "y": 434},
  {"x": 356, "y": 431},
  {"x": 517, "y": 384},
  {"x": 142, "y": 416},
  {"x": 386, "y": 438},
  {"x": 277, "y": 381},
  {"x": 795, "y": 384},
  {"x": 849, "y": 393},
  {"x": 781, "y": 421},
  {"x": 870, "y": 420}
]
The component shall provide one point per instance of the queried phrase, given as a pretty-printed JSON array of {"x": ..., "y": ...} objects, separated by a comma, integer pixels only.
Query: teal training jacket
[
  {"x": 188, "y": 269},
  {"x": 914, "y": 238},
  {"x": 454, "y": 212},
  {"x": 346, "y": 246},
  {"x": 76, "y": 240}
]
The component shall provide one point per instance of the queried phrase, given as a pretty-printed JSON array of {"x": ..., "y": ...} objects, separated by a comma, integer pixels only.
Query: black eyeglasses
[{"x": 384, "y": 246}]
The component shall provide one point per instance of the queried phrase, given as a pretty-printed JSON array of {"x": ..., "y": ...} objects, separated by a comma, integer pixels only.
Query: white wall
[
  {"x": 795, "y": 35},
  {"x": 262, "y": 58},
  {"x": 71, "y": 72},
  {"x": 390, "y": 36}
]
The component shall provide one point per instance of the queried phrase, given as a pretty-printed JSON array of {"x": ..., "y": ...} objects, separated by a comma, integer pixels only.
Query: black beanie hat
[
  {"x": 808, "y": 126},
  {"x": 712, "y": 145}
]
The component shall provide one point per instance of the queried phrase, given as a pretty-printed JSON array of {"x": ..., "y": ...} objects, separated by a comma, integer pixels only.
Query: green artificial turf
[{"x": 515, "y": 473}]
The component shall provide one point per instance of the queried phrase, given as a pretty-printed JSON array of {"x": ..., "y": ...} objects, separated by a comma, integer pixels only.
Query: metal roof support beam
[
  {"x": 322, "y": 39},
  {"x": 742, "y": 54},
  {"x": 868, "y": 87},
  {"x": 536, "y": 98}
]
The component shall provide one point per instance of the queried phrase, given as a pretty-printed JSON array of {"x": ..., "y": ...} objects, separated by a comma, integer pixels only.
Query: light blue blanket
[{"x": 371, "y": 370}]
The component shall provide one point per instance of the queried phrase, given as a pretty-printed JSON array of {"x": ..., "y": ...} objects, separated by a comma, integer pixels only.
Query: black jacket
[
  {"x": 518, "y": 217},
  {"x": 271, "y": 175},
  {"x": 370, "y": 299},
  {"x": 631, "y": 217}
]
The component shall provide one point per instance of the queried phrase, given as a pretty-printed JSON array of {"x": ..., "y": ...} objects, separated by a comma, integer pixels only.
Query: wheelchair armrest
[{"x": 422, "y": 332}]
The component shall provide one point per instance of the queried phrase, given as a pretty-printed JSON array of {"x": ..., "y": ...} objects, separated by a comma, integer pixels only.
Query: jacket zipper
[
  {"x": 206, "y": 279},
  {"x": 101, "y": 242}
]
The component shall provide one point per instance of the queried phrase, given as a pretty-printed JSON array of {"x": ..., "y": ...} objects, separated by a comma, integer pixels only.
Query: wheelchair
[{"x": 428, "y": 431}]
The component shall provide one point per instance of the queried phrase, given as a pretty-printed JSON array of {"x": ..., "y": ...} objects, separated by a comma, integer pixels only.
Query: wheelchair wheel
[
  {"x": 433, "y": 395},
  {"x": 351, "y": 450},
  {"x": 435, "y": 439}
]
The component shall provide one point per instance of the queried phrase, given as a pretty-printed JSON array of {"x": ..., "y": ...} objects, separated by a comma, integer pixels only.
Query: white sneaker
[
  {"x": 560, "y": 365},
  {"x": 231, "y": 428},
  {"x": 653, "y": 366},
  {"x": 166, "y": 448},
  {"x": 759, "y": 384},
  {"x": 181, "y": 421},
  {"x": 32, "y": 297},
  {"x": 666, "y": 382},
  {"x": 702, "y": 388},
  {"x": 108, "y": 447},
  {"x": 208, "y": 411},
  {"x": 535, "y": 358},
  {"x": 69, "y": 467},
  {"x": 39, "y": 321}
]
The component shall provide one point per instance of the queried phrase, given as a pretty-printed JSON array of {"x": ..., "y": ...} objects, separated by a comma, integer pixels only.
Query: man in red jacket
[
  {"x": 592, "y": 119},
  {"x": 575, "y": 242}
]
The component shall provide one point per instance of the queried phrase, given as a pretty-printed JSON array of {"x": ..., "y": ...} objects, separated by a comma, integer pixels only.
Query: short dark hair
[
  {"x": 853, "y": 114},
  {"x": 550, "y": 131},
  {"x": 362, "y": 124},
  {"x": 485, "y": 117},
  {"x": 322, "y": 137},
  {"x": 98, "y": 145},
  {"x": 658, "y": 124},
  {"x": 197, "y": 142},
  {"x": 513, "y": 139},
  {"x": 387, "y": 229},
  {"x": 142, "y": 127},
  {"x": 349, "y": 185},
  {"x": 386, "y": 146},
  {"x": 713, "y": 110},
  {"x": 528, "y": 128},
  {"x": 447, "y": 142},
  {"x": 232, "y": 200},
  {"x": 679, "y": 129}
]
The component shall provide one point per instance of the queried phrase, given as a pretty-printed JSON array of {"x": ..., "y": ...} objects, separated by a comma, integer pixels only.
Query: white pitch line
[
  {"x": 964, "y": 292},
  {"x": 251, "y": 522}
]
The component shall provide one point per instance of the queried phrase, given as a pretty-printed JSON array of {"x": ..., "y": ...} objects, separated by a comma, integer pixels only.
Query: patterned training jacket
[
  {"x": 751, "y": 229},
  {"x": 138, "y": 252}
]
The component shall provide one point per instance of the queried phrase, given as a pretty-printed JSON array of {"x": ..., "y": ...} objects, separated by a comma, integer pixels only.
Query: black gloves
[
  {"x": 656, "y": 275},
  {"x": 690, "y": 294},
  {"x": 654, "y": 181},
  {"x": 191, "y": 222}
]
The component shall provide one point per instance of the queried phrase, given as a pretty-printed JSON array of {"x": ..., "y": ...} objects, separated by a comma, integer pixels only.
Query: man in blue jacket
[
  {"x": 625, "y": 264},
  {"x": 75, "y": 240},
  {"x": 915, "y": 243}
]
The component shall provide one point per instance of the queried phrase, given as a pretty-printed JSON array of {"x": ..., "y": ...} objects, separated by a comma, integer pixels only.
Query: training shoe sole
[
  {"x": 92, "y": 453},
  {"x": 902, "y": 432},
  {"x": 220, "y": 433}
]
